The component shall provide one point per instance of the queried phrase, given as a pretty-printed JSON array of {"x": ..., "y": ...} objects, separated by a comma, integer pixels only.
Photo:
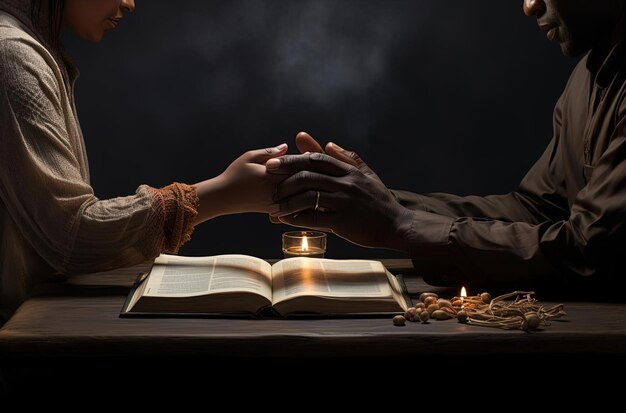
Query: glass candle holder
[{"x": 310, "y": 244}]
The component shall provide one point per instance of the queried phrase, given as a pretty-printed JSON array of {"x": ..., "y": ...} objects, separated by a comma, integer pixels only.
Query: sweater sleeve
[{"x": 49, "y": 198}]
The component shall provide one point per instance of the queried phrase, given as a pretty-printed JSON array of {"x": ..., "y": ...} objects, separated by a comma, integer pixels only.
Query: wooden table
[
  {"x": 77, "y": 324},
  {"x": 80, "y": 319}
]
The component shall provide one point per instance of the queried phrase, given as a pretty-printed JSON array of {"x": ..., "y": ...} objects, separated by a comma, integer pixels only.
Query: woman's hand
[{"x": 245, "y": 186}]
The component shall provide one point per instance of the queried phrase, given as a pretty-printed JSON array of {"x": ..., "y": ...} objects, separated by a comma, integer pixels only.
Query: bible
[{"x": 242, "y": 284}]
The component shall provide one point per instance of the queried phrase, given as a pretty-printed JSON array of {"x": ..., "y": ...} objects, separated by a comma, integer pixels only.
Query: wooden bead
[
  {"x": 441, "y": 315},
  {"x": 533, "y": 321},
  {"x": 448, "y": 310},
  {"x": 399, "y": 321},
  {"x": 444, "y": 303},
  {"x": 432, "y": 308},
  {"x": 409, "y": 314},
  {"x": 423, "y": 296},
  {"x": 430, "y": 300},
  {"x": 461, "y": 316}
]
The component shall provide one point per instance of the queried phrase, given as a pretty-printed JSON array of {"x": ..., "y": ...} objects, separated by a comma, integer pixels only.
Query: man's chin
[{"x": 570, "y": 49}]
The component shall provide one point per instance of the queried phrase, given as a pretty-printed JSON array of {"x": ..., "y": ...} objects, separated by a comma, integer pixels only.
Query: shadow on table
[{"x": 117, "y": 377}]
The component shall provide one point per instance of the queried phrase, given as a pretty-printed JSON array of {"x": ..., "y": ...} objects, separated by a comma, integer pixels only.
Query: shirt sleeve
[
  {"x": 513, "y": 207},
  {"x": 539, "y": 197},
  {"x": 46, "y": 194},
  {"x": 531, "y": 236}
]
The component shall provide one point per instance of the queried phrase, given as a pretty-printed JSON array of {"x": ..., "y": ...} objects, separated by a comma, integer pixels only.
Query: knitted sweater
[{"x": 51, "y": 223}]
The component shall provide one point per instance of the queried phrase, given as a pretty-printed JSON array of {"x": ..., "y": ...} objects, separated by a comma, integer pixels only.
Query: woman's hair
[{"x": 50, "y": 29}]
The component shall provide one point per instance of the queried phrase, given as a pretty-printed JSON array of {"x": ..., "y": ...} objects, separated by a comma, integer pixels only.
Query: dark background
[{"x": 451, "y": 96}]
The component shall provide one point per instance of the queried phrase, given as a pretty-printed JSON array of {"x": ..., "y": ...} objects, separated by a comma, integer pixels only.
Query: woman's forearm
[
  {"x": 243, "y": 187},
  {"x": 211, "y": 194}
]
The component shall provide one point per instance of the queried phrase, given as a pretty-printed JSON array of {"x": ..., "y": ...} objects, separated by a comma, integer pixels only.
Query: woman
[{"x": 50, "y": 221}]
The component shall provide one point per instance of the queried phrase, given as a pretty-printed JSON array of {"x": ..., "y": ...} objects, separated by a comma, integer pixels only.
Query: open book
[{"x": 233, "y": 284}]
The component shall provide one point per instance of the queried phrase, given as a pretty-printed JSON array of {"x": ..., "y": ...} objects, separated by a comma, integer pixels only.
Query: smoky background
[{"x": 436, "y": 96}]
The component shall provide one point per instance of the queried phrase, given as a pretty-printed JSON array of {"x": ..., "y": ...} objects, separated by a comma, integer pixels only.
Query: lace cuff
[{"x": 178, "y": 205}]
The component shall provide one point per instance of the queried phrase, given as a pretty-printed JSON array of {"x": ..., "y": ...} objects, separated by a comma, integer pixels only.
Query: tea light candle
[
  {"x": 463, "y": 297},
  {"x": 310, "y": 244}
]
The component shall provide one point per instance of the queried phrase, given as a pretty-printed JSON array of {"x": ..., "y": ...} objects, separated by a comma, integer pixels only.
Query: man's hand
[
  {"x": 349, "y": 199},
  {"x": 306, "y": 143}
]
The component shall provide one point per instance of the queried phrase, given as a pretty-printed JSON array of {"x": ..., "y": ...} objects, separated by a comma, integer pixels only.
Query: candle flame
[
  {"x": 463, "y": 292},
  {"x": 305, "y": 244}
]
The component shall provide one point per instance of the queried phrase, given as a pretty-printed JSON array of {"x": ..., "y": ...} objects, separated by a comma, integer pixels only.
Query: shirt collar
[{"x": 605, "y": 71}]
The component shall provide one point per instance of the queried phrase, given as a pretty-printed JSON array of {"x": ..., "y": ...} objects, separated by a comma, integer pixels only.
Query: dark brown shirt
[{"x": 567, "y": 220}]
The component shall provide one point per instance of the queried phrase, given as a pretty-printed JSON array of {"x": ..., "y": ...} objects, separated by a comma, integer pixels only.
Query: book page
[
  {"x": 331, "y": 278},
  {"x": 175, "y": 276}
]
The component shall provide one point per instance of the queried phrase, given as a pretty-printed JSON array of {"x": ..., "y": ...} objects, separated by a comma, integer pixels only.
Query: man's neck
[{"x": 604, "y": 45}]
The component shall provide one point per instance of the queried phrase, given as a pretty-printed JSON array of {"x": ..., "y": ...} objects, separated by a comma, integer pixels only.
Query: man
[{"x": 566, "y": 223}]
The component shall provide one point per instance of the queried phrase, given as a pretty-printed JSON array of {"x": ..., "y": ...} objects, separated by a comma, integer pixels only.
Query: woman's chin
[{"x": 92, "y": 37}]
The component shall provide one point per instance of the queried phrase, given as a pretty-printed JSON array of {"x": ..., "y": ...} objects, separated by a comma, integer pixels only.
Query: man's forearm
[{"x": 513, "y": 207}]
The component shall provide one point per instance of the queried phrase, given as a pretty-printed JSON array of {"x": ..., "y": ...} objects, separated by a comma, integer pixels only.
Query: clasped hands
[{"x": 335, "y": 191}]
